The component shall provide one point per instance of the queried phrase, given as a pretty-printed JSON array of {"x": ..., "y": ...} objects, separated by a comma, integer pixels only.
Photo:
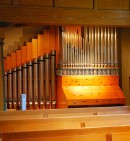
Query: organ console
[{"x": 86, "y": 72}]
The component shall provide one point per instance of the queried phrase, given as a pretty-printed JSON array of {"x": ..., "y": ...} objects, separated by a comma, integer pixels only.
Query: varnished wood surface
[
  {"x": 88, "y": 4},
  {"x": 72, "y": 125},
  {"x": 70, "y": 134},
  {"x": 71, "y": 112},
  {"x": 48, "y": 3},
  {"x": 62, "y": 16},
  {"x": 112, "y": 4}
]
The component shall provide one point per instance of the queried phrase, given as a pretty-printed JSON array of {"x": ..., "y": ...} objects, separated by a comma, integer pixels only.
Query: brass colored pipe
[
  {"x": 41, "y": 97},
  {"x": 5, "y": 83},
  {"x": 19, "y": 71},
  {"x": 9, "y": 90},
  {"x": 47, "y": 80},
  {"x": 30, "y": 101},
  {"x": 53, "y": 78},
  {"x": 14, "y": 94},
  {"x": 24, "y": 84},
  {"x": 35, "y": 83}
]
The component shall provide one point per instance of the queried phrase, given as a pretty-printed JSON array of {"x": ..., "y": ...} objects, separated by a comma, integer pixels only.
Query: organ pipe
[
  {"x": 35, "y": 83},
  {"x": 53, "y": 78},
  {"x": 30, "y": 102},
  {"x": 41, "y": 76},
  {"x": 47, "y": 80}
]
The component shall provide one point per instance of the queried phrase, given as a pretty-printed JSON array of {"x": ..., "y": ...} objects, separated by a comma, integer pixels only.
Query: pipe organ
[{"x": 64, "y": 67}]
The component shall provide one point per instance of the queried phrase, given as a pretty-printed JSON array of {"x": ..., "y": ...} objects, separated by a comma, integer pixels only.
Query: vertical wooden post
[{"x": 2, "y": 99}]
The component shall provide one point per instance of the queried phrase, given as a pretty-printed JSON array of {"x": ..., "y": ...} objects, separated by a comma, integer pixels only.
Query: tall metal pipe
[
  {"x": 47, "y": 80},
  {"x": 112, "y": 48},
  {"x": 9, "y": 90},
  {"x": 24, "y": 75},
  {"x": 102, "y": 48},
  {"x": 5, "y": 85},
  {"x": 35, "y": 83},
  {"x": 41, "y": 97},
  {"x": 30, "y": 86},
  {"x": 116, "y": 56},
  {"x": 14, "y": 94},
  {"x": 19, "y": 71},
  {"x": 105, "y": 47},
  {"x": 53, "y": 78}
]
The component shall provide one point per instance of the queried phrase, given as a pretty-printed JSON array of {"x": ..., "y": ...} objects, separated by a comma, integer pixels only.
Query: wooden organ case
[{"x": 68, "y": 66}]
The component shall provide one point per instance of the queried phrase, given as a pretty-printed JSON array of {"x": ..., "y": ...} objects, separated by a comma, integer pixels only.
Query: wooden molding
[{"x": 63, "y": 16}]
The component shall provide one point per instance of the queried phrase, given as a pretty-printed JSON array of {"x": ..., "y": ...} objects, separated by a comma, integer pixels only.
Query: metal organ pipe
[
  {"x": 35, "y": 83},
  {"x": 14, "y": 94},
  {"x": 24, "y": 75},
  {"x": 53, "y": 78},
  {"x": 5, "y": 84},
  {"x": 41, "y": 76},
  {"x": 95, "y": 48},
  {"x": 30, "y": 87},
  {"x": 47, "y": 80},
  {"x": 9, "y": 91}
]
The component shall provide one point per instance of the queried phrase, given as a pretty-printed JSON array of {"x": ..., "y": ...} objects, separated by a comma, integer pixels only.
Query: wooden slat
[
  {"x": 52, "y": 38},
  {"x": 13, "y": 59},
  {"x": 35, "y": 2},
  {"x": 8, "y": 59},
  {"x": 5, "y": 2},
  {"x": 64, "y": 16},
  {"x": 74, "y": 3},
  {"x": 18, "y": 57},
  {"x": 24, "y": 54},
  {"x": 5, "y": 64},
  {"x": 40, "y": 45},
  {"x": 29, "y": 51},
  {"x": 18, "y": 137},
  {"x": 34, "y": 48},
  {"x": 112, "y": 4},
  {"x": 46, "y": 41},
  {"x": 64, "y": 112}
]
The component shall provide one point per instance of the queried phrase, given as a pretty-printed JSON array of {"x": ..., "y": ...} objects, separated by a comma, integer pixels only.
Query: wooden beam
[{"x": 62, "y": 16}]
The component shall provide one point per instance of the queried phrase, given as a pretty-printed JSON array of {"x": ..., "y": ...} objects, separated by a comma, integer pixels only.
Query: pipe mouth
[{"x": 47, "y": 56}]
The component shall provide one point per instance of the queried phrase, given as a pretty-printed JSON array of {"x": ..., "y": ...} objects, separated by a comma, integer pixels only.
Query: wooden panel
[
  {"x": 90, "y": 137},
  {"x": 34, "y": 48},
  {"x": 5, "y": 2},
  {"x": 24, "y": 54},
  {"x": 18, "y": 57},
  {"x": 35, "y": 2},
  {"x": 5, "y": 64},
  {"x": 46, "y": 41},
  {"x": 125, "y": 62},
  {"x": 52, "y": 38},
  {"x": 69, "y": 16},
  {"x": 112, "y": 4},
  {"x": 74, "y": 3},
  {"x": 40, "y": 44},
  {"x": 8, "y": 59},
  {"x": 29, "y": 51},
  {"x": 13, "y": 60}
]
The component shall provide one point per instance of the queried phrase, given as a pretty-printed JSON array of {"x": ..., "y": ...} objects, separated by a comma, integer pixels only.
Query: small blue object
[{"x": 23, "y": 101}]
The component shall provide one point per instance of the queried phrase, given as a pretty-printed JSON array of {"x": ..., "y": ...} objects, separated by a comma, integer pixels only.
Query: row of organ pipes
[
  {"x": 91, "y": 50},
  {"x": 31, "y": 69}
]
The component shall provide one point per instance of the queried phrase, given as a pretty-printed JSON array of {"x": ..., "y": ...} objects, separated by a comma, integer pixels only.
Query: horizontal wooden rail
[{"x": 13, "y": 115}]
